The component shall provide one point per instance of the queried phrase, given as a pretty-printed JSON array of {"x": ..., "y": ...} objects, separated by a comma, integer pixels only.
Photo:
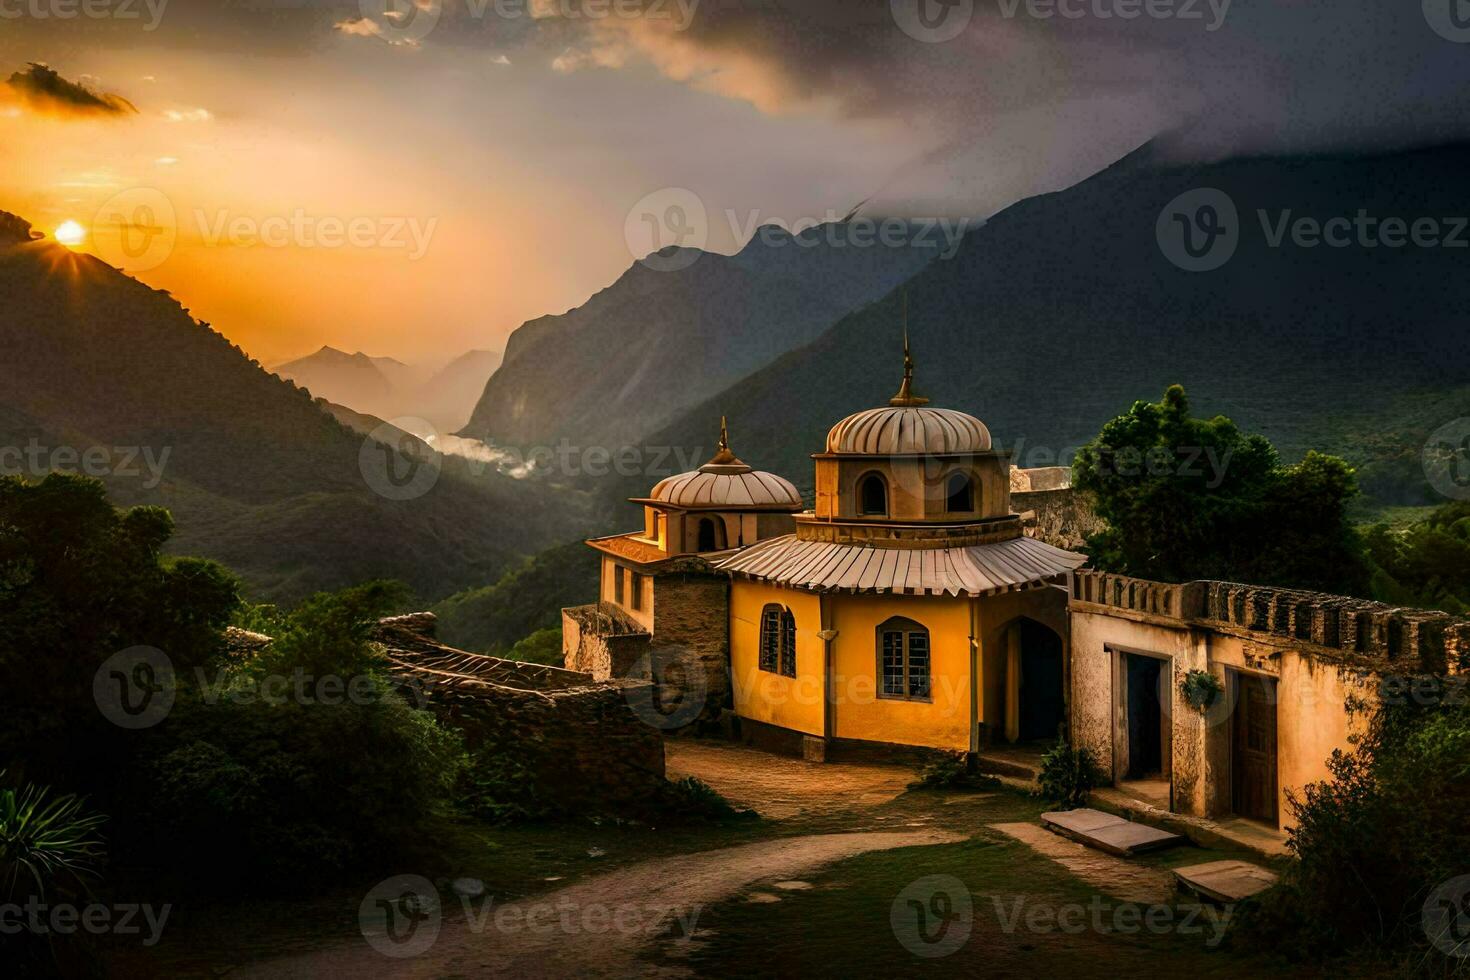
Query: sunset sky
[{"x": 432, "y": 176}]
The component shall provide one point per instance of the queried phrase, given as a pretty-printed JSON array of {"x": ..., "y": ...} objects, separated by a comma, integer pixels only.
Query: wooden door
[{"x": 1253, "y": 759}]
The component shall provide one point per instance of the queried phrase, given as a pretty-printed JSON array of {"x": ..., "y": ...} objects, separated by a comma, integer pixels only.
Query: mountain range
[
  {"x": 390, "y": 389},
  {"x": 107, "y": 376},
  {"x": 1060, "y": 311},
  {"x": 678, "y": 326}
]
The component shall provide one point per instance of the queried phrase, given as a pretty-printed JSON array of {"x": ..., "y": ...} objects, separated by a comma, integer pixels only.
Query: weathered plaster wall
[{"x": 596, "y": 639}]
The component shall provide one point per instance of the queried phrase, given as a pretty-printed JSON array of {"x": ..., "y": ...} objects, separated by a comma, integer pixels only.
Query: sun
[{"x": 70, "y": 233}]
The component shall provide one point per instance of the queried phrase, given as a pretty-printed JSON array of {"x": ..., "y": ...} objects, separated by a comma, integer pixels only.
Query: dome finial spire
[
  {"x": 906, "y": 397},
  {"x": 724, "y": 457}
]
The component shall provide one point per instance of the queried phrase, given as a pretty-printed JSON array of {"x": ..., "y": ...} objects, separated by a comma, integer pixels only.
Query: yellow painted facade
[
  {"x": 772, "y": 698},
  {"x": 860, "y": 713}
]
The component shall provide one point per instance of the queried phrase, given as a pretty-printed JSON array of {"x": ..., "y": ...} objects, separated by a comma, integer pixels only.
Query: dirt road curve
[{"x": 595, "y": 928}]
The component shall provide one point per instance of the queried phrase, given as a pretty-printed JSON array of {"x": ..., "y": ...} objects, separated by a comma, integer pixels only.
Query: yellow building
[{"x": 906, "y": 607}]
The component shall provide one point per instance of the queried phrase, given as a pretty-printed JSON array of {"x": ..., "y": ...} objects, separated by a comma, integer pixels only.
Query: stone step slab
[
  {"x": 1224, "y": 881},
  {"x": 1108, "y": 832}
]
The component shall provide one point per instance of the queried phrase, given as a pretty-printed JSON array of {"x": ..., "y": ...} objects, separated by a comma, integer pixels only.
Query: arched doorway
[{"x": 1035, "y": 689}]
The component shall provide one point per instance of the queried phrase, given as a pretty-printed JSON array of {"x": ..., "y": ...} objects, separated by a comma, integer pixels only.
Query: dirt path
[
  {"x": 1119, "y": 878},
  {"x": 778, "y": 787},
  {"x": 596, "y": 927}
]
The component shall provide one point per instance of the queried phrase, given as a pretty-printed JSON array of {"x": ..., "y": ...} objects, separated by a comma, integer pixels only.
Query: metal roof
[
  {"x": 750, "y": 488},
  {"x": 908, "y": 430},
  {"x": 975, "y": 570}
]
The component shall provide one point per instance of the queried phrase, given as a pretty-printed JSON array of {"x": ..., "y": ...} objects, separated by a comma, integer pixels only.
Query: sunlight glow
[{"x": 70, "y": 234}]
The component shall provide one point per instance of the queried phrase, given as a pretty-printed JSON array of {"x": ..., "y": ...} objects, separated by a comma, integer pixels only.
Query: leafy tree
[
  {"x": 80, "y": 581},
  {"x": 1187, "y": 498},
  {"x": 1427, "y": 564}
]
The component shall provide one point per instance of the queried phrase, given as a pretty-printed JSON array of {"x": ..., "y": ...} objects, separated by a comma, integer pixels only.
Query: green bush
[
  {"x": 1068, "y": 775},
  {"x": 1375, "y": 841},
  {"x": 1201, "y": 689}
]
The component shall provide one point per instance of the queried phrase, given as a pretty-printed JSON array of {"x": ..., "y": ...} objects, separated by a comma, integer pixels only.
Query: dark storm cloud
[{"x": 41, "y": 89}]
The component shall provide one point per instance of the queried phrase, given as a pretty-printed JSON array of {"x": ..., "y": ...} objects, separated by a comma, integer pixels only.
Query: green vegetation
[
  {"x": 525, "y": 601},
  {"x": 1426, "y": 563},
  {"x": 954, "y": 770},
  {"x": 1200, "y": 689},
  {"x": 1381, "y": 846},
  {"x": 1068, "y": 775},
  {"x": 47, "y": 842},
  {"x": 541, "y": 647},
  {"x": 296, "y": 760},
  {"x": 1188, "y": 498}
]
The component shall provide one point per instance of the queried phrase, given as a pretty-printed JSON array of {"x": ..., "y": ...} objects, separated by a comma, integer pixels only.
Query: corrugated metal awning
[{"x": 975, "y": 570}]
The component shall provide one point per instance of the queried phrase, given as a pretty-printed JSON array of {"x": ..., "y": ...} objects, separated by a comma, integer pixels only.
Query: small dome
[
  {"x": 727, "y": 490},
  {"x": 896, "y": 430},
  {"x": 727, "y": 483}
]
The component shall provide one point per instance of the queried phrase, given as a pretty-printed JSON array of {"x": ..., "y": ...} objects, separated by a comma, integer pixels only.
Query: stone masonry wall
[
  {"x": 585, "y": 746},
  {"x": 691, "y": 644},
  {"x": 599, "y": 642}
]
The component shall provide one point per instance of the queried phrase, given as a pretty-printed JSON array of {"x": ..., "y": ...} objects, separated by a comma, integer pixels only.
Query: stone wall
[
  {"x": 600, "y": 641},
  {"x": 1050, "y": 509},
  {"x": 587, "y": 747},
  {"x": 691, "y": 644}
]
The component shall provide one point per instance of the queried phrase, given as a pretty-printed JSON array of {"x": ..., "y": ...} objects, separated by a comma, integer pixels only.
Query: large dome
[{"x": 908, "y": 430}]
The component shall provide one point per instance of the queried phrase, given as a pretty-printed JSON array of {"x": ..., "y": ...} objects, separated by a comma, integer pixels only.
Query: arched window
[
  {"x": 903, "y": 660},
  {"x": 778, "y": 640},
  {"x": 873, "y": 495},
  {"x": 707, "y": 538},
  {"x": 959, "y": 494}
]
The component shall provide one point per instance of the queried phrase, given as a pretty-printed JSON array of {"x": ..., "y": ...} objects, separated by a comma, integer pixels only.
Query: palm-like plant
[{"x": 45, "y": 839}]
